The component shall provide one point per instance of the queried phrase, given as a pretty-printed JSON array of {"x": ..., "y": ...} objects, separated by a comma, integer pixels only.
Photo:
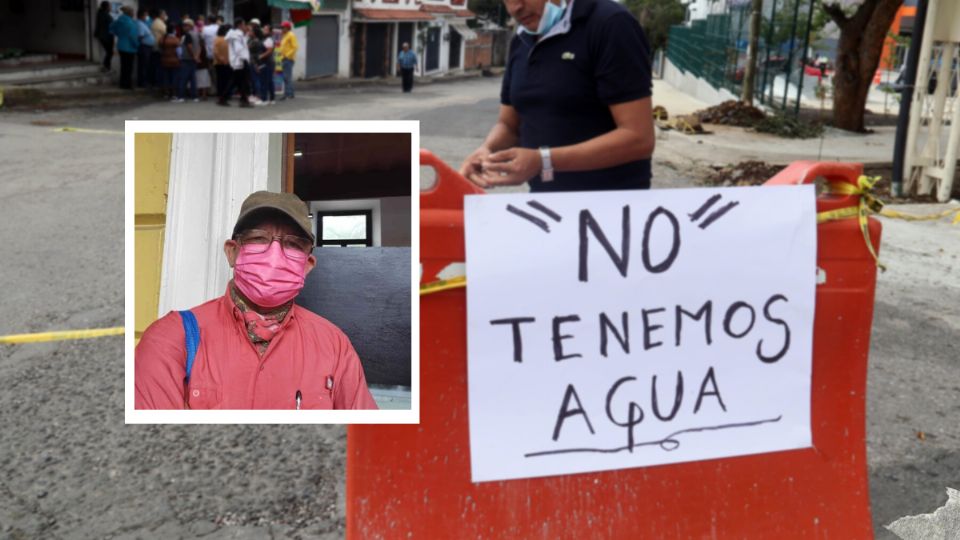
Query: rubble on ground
[
  {"x": 731, "y": 113},
  {"x": 745, "y": 173}
]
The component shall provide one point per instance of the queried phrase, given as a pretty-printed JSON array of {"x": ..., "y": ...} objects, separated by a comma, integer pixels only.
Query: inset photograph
[{"x": 272, "y": 272}]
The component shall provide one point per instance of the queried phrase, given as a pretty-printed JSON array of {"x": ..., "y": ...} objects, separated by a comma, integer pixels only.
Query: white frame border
[{"x": 133, "y": 416}]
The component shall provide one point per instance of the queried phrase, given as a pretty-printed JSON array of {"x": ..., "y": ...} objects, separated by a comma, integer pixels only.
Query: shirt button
[
  {"x": 196, "y": 393},
  {"x": 261, "y": 368}
]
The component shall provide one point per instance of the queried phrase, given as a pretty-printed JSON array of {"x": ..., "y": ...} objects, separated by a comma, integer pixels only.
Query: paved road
[{"x": 69, "y": 468}]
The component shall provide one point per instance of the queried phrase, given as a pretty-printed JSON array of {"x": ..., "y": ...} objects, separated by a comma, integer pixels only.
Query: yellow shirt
[{"x": 288, "y": 46}]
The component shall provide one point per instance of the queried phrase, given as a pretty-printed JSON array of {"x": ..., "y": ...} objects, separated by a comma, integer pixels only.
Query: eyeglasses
[{"x": 259, "y": 241}]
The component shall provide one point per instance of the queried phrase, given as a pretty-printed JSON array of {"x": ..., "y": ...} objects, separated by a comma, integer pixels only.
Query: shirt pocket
[
  {"x": 319, "y": 399},
  {"x": 203, "y": 398}
]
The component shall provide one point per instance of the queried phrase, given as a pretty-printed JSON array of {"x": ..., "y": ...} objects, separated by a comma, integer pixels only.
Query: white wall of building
[
  {"x": 343, "y": 59},
  {"x": 210, "y": 176},
  {"x": 694, "y": 86}
]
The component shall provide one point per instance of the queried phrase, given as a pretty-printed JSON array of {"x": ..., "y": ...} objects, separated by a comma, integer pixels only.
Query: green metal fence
[{"x": 715, "y": 50}]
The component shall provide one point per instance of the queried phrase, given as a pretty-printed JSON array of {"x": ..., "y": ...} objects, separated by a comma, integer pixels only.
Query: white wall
[
  {"x": 343, "y": 62},
  {"x": 395, "y": 224},
  {"x": 210, "y": 176},
  {"x": 300, "y": 59},
  {"x": 694, "y": 86}
]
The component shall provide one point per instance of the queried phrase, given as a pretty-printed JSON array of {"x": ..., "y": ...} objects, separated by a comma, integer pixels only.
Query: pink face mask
[{"x": 271, "y": 278}]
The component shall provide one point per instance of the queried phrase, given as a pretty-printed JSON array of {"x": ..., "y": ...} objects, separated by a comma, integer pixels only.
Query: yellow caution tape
[
  {"x": 68, "y": 129},
  {"x": 443, "y": 285},
  {"x": 870, "y": 204},
  {"x": 61, "y": 336}
]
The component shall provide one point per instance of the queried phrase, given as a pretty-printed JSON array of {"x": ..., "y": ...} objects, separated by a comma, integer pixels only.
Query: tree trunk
[
  {"x": 750, "y": 74},
  {"x": 858, "y": 55}
]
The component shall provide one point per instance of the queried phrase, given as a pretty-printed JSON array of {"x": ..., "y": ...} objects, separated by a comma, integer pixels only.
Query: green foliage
[{"x": 656, "y": 17}]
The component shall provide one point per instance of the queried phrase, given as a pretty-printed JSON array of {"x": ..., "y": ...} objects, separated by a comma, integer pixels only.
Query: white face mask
[{"x": 552, "y": 14}]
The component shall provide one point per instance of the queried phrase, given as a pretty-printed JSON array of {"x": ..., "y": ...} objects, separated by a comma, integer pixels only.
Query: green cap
[{"x": 285, "y": 203}]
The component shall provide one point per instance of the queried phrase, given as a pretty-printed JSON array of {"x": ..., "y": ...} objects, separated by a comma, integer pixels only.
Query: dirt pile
[
  {"x": 731, "y": 113},
  {"x": 745, "y": 173}
]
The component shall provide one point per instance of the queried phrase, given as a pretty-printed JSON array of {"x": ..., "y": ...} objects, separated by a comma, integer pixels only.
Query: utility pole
[{"x": 750, "y": 75}]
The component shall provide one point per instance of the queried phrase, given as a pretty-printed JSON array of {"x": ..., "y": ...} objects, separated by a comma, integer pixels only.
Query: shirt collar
[{"x": 564, "y": 24}]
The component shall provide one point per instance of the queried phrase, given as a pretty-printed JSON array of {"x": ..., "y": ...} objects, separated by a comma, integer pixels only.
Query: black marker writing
[
  {"x": 786, "y": 332},
  {"x": 558, "y": 337},
  {"x": 566, "y": 411},
  {"x": 517, "y": 340},
  {"x": 668, "y": 443},
  {"x": 621, "y": 260}
]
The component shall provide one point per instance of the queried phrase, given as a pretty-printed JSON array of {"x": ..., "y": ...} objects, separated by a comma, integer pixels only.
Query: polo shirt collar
[{"x": 576, "y": 9}]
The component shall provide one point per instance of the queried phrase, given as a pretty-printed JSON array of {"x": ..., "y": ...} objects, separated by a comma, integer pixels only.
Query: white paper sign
[{"x": 623, "y": 329}]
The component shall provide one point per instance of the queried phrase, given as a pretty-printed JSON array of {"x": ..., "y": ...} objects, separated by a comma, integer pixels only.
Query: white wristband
[{"x": 546, "y": 172}]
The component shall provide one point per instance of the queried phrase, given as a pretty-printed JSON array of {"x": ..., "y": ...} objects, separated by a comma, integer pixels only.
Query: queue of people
[{"x": 195, "y": 58}]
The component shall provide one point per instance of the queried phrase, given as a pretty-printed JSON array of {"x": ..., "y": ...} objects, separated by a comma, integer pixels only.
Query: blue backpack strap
[{"x": 191, "y": 331}]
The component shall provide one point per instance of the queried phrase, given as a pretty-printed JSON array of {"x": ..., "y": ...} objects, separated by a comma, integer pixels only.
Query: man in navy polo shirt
[{"x": 575, "y": 109}]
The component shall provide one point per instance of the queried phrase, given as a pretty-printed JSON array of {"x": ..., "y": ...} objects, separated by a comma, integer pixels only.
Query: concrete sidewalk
[
  {"x": 98, "y": 95},
  {"x": 728, "y": 145}
]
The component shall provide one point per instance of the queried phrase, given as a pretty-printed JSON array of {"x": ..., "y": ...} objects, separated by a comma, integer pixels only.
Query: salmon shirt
[{"x": 308, "y": 355}]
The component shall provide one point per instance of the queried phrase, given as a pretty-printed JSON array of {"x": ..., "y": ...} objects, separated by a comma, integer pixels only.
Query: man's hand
[
  {"x": 511, "y": 167},
  {"x": 472, "y": 167}
]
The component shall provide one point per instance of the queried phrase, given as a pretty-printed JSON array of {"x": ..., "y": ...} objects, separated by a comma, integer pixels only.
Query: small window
[{"x": 344, "y": 228}]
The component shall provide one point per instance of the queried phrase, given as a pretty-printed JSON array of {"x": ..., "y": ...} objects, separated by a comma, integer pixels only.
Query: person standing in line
[
  {"x": 189, "y": 55},
  {"x": 148, "y": 44},
  {"x": 209, "y": 35},
  {"x": 170, "y": 62},
  {"x": 407, "y": 60},
  {"x": 239, "y": 62},
  {"x": 288, "y": 50},
  {"x": 267, "y": 67},
  {"x": 158, "y": 28},
  {"x": 254, "y": 43},
  {"x": 102, "y": 32},
  {"x": 128, "y": 44},
  {"x": 221, "y": 65}
]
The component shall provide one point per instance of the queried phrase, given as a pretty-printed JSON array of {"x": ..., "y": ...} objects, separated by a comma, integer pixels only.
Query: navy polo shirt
[{"x": 562, "y": 86}]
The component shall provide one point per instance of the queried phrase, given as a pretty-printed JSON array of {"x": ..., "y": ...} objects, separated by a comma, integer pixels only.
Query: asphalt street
[{"x": 70, "y": 468}]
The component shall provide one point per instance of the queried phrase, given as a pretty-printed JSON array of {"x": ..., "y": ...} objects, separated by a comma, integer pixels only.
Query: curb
[{"x": 15, "y": 98}]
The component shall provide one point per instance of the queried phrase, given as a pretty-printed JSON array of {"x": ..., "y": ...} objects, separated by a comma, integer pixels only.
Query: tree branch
[{"x": 836, "y": 13}]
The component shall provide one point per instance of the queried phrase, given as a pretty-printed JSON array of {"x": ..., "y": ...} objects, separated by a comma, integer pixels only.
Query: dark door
[
  {"x": 376, "y": 62},
  {"x": 322, "y": 46},
  {"x": 455, "y": 41},
  {"x": 433, "y": 49},
  {"x": 359, "y": 38}
]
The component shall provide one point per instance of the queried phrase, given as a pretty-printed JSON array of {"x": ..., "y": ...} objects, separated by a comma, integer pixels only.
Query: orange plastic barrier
[{"x": 414, "y": 481}]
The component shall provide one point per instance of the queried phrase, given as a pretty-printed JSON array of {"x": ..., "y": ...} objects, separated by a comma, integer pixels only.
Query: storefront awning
[
  {"x": 437, "y": 8},
  {"x": 312, "y": 5},
  {"x": 465, "y": 31},
  {"x": 387, "y": 15}
]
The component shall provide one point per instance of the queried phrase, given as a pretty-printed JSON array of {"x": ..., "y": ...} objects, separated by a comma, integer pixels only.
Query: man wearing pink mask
[{"x": 253, "y": 348}]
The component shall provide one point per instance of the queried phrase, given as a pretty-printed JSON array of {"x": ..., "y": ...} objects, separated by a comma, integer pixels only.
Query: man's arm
[
  {"x": 633, "y": 139},
  {"x": 350, "y": 384},
  {"x": 159, "y": 365}
]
